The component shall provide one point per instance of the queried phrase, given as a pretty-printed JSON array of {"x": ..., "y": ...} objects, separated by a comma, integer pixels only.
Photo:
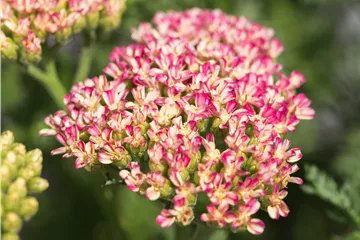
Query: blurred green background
[{"x": 321, "y": 39}]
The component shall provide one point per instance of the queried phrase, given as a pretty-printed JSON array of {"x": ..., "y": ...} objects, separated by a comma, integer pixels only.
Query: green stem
[
  {"x": 84, "y": 63},
  {"x": 50, "y": 80}
]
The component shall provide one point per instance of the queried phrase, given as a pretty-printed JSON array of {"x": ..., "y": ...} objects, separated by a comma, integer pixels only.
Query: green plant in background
[
  {"x": 346, "y": 197},
  {"x": 20, "y": 180},
  {"x": 32, "y": 31}
]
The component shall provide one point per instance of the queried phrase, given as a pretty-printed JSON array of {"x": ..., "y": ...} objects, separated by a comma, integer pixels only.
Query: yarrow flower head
[
  {"x": 28, "y": 26},
  {"x": 198, "y": 105},
  {"x": 20, "y": 179}
]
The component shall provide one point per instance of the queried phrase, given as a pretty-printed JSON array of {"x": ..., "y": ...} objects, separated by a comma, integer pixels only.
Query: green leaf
[
  {"x": 322, "y": 185},
  {"x": 219, "y": 235},
  {"x": 136, "y": 215}
]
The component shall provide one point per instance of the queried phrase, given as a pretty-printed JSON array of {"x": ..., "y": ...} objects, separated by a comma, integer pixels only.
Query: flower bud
[
  {"x": 136, "y": 151},
  {"x": 18, "y": 186},
  {"x": 29, "y": 207},
  {"x": 37, "y": 185},
  {"x": 94, "y": 165},
  {"x": 20, "y": 152},
  {"x": 10, "y": 161},
  {"x": 10, "y": 236},
  {"x": 11, "y": 223},
  {"x": 215, "y": 127},
  {"x": 5, "y": 177},
  {"x": 8, "y": 48},
  {"x": 124, "y": 160},
  {"x": 196, "y": 178},
  {"x": 2, "y": 210},
  {"x": 93, "y": 19},
  {"x": 7, "y": 138},
  {"x": 195, "y": 159},
  {"x": 34, "y": 156},
  {"x": 112, "y": 13},
  {"x": 31, "y": 48},
  {"x": 63, "y": 35},
  {"x": 203, "y": 125},
  {"x": 162, "y": 166},
  {"x": 79, "y": 25},
  {"x": 166, "y": 190},
  {"x": 12, "y": 201},
  {"x": 28, "y": 173}
]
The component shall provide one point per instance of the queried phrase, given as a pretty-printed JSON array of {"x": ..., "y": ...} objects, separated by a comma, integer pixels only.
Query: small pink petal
[
  {"x": 164, "y": 222},
  {"x": 47, "y": 132},
  {"x": 256, "y": 226},
  {"x": 104, "y": 158},
  {"x": 79, "y": 163},
  {"x": 152, "y": 194},
  {"x": 254, "y": 206},
  {"x": 57, "y": 151},
  {"x": 273, "y": 212},
  {"x": 230, "y": 217}
]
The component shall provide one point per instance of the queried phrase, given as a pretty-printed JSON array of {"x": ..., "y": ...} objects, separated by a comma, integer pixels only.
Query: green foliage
[
  {"x": 348, "y": 163},
  {"x": 345, "y": 197}
]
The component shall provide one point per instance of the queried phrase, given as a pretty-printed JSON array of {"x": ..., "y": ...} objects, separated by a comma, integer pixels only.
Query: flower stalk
[
  {"x": 50, "y": 80},
  {"x": 85, "y": 61}
]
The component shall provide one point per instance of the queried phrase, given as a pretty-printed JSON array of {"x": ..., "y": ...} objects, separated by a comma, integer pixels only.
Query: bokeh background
[{"x": 321, "y": 39}]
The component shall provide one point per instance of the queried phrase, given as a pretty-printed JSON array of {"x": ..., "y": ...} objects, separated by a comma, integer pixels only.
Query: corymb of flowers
[
  {"x": 198, "y": 107},
  {"x": 28, "y": 25}
]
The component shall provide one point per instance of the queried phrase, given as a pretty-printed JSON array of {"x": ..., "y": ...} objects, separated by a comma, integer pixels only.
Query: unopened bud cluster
[
  {"x": 20, "y": 179},
  {"x": 198, "y": 105},
  {"x": 29, "y": 25}
]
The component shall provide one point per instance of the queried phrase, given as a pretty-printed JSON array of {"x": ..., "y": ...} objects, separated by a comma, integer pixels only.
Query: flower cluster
[
  {"x": 20, "y": 177},
  {"x": 198, "y": 106},
  {"x": 28, "y": 25}
]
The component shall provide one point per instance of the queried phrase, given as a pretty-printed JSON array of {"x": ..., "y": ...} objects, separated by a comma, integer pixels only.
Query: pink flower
[
  {"x": 133, "y": 179},
  {"x": 220, "y": 193},
  {"x": 157, "y": 181},
  {"x": 232, "y": 165},
  {"x": 134, "y": 137},
  {"x": 242, "y": 218},
  {"x": 211, "y": 152},
  {"x": 285, "y": 175},
  {"x": 20, "y": 28},
  {"x": 181, "y": 213},
  {"x": 201, "y": 110},
  {"x": 85, "y": 153},
  {"x": 63, "y": 20},
  {"x": 249, "y": 189},
  {"x": 281, "y": 151},
  {"x": 215, "y": 214},
  {"x": 300, "y": 103},
  {"x": 277, "y": 206},
  {"x": 32, "y": 45}
]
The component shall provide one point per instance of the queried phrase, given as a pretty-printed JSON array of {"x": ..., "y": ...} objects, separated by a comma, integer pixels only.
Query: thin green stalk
[
  {"x": 84, "y": 63},
  {"x": 50, "y": 80}
]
